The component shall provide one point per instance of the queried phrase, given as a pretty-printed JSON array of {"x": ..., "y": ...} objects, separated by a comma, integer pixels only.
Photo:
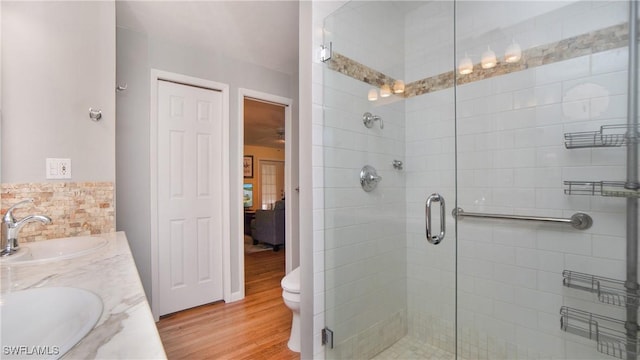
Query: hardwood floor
[{"x": 256, "y": 327}]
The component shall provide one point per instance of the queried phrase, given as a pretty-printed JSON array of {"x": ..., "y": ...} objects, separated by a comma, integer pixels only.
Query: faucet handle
[{"x": 8, "y": 216}]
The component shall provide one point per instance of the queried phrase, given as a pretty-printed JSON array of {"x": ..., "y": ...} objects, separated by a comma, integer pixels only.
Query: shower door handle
[{"x": 434, "y": 239}]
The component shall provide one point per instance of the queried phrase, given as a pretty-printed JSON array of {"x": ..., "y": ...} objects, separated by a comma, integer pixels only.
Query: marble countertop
[{"x": 126, "y": 329}]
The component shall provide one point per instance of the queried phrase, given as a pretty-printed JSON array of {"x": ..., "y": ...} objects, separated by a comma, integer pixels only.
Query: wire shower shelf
[
  {"x": 609, "y": 333},
  {"x": 609, "y": 291},
  {"x": 607, "y": 136},
  {"x": 602, "y": 188}
]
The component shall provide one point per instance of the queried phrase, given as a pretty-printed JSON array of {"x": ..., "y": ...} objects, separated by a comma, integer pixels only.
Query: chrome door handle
[{"x": 434, "y": 239}]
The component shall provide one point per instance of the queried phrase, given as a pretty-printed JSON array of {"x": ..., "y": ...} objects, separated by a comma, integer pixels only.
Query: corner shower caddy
[
  {"x": 609, "y": 334},
  {"x": 613, "y": 337}
]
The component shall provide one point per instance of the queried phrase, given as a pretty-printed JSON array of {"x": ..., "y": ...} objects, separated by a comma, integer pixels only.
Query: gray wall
[
  {"x": 137, "y": 54},
  {"x": 58, "y": 59}
]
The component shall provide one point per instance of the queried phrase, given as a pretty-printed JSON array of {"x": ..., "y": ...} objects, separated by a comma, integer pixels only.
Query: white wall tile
[
  {"x": 553, "y": 345},
  {"x": 606, "y": 267},
  {"x": 564, "y": 70},
  {"x": 518, "y": 315},
  {"x": 609, "y": 247},
  {"x": 608, "y": 107},
  {"x": 514, "y": 275},
  {"x": 610, "y": 13},
  {"x": 478, "y": 304},
  {"x": 538, "y": 300},
  {"x": 516, "y": 158},
  {"x": 515, "y": 236},
  {"x": 541, "y": 260},
  {"x": 516, "y": 119},
  {"x": 514, "y": 81},
  {"x": 549, "y": 114},
  {"x": 606, "y": 223},
  {"x": 564, "y": 241},
  {"x": 609, "y": 61},
  {"x": 550, "y": 282}
]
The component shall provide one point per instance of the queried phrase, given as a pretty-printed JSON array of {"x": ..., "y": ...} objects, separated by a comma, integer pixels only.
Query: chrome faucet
[{"x": 11, "y": 227}]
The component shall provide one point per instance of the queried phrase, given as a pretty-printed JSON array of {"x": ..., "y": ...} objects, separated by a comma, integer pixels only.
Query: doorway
[{"x": 266, "y": 134}]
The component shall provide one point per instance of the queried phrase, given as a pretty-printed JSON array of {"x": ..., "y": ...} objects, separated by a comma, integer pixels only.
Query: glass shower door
[
  {"x": 536, "y": 83},
  {"x": 389, "y": 292}
]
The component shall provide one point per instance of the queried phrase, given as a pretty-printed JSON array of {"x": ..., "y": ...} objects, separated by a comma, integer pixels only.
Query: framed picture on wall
[{"x": 248, "y": 166}]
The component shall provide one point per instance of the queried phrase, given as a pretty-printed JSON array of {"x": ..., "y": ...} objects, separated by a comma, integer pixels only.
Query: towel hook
[{"x": 95, "y": 115}]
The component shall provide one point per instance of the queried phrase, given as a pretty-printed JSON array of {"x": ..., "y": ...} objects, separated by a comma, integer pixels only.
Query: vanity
[{"x": 125, "y": 328}]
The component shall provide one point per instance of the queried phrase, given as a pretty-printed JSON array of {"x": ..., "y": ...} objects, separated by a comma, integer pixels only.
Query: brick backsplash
[{"x": 82, "y": 208}]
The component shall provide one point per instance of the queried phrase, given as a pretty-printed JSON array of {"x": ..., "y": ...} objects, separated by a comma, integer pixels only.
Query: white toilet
[{"x": 291, "y": 295}]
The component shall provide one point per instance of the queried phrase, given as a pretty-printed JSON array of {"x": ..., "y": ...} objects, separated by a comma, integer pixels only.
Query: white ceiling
[{"x": 259, "y": 32}]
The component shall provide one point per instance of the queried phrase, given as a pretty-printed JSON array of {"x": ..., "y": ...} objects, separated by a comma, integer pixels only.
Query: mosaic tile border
[
  {"x": 354, "y": 69},
  {"x": 82, "y": 208},
  {"x": 609, "y": 38}
]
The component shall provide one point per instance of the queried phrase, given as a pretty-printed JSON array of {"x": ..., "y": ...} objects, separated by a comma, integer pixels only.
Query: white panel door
[{"x": 189, "y": 196}]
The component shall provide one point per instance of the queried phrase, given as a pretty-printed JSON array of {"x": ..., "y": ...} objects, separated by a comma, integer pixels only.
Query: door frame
[
  {"x": 157, "y": 75},
  {"x": 288, "y": 188}
]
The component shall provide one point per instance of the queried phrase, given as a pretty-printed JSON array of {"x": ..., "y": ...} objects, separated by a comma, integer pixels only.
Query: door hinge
[
  {"x": 325, "y": 52},
  {"x": 327, "y": 337}
]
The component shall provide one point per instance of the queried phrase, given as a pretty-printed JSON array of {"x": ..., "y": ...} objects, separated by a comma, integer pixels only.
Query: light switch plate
[{"x": 57, "y": 168}]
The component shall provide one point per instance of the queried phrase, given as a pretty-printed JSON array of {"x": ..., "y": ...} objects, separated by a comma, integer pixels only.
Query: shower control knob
[
  {"x": 369, "y": 178},
  {"x": 368, "y": 119}
]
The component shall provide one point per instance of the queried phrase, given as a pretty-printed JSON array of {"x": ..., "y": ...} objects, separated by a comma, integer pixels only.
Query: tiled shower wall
[{"x": 84, "y": 208}]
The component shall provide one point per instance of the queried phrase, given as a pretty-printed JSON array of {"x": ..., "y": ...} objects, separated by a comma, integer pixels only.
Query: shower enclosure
[{"x": 480, "y": 180}]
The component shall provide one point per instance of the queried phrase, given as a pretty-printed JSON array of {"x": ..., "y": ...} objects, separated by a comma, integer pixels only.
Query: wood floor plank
[{"x": 256, "y": 327}]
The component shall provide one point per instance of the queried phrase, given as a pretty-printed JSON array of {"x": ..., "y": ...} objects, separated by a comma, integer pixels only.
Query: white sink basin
[
  {"x": 45, "y": 323},
  {"x": 56, "y": 249}
]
